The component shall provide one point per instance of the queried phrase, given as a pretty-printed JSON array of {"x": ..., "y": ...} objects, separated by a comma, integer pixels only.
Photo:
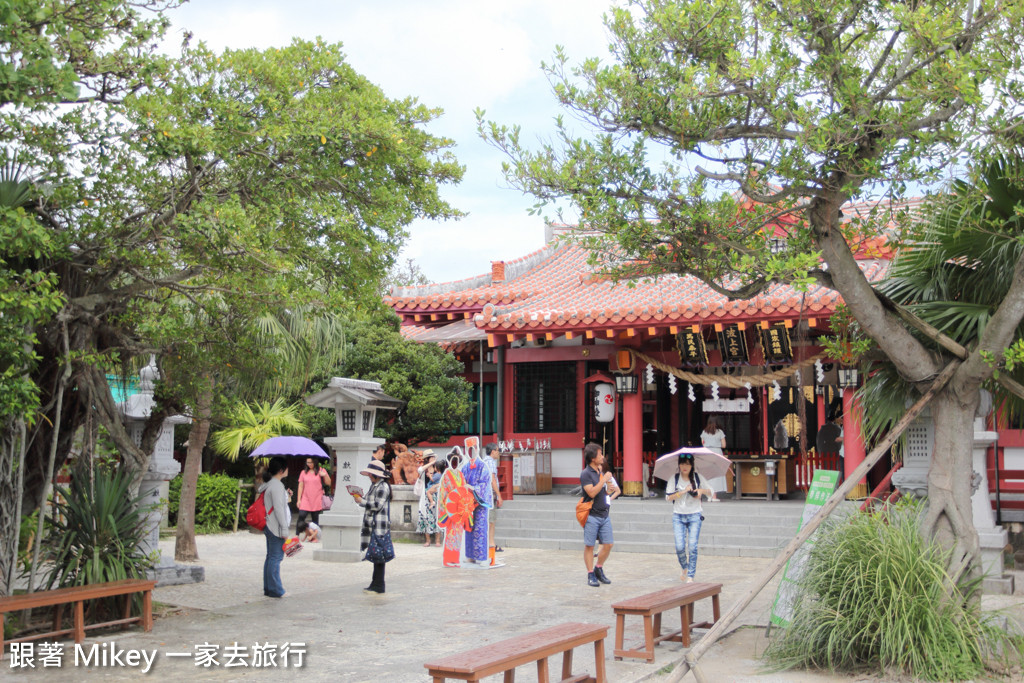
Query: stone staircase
[{"x": 748, "y": 528}]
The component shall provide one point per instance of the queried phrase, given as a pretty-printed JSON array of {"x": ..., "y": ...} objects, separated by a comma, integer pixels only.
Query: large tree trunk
[
  {"x": 12, "y": 485},
  {"x": 949, "y": 519},
  {"x": 185, "y": 536}
]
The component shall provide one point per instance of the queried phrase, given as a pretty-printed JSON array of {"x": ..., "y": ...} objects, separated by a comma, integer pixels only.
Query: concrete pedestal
[
  {"x": 341, "y": 525},
  {"x": 165, "y": 570},
  {"x": 991, "y": 538},
  {"x": 340, "y": 531}
]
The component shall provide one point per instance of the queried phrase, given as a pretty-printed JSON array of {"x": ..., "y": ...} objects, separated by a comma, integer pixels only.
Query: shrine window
[
  {"x": 545, "y": 397},
  {"x": 487, "y": 407}
]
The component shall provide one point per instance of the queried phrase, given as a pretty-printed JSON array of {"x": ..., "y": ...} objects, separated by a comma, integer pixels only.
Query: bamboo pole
[{"x": 689, "y": 662}]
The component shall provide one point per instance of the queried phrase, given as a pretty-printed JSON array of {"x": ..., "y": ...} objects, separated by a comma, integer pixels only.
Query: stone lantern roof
[{"x": 358, "y": 391}]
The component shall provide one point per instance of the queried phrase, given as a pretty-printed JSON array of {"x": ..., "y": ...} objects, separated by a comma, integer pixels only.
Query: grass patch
[{"x": 877, "y": 595}]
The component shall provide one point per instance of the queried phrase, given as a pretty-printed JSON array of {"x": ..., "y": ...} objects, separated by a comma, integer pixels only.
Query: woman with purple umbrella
[{"x": 685, "y": 490}]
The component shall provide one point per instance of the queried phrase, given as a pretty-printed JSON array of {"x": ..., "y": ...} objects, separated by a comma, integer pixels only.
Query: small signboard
[
  {"x": 692, "y": 350},
  {"x": 775, "y": 342},
  {"x": 822, "y": 486},
  {"x": 726, "y": 405},
  {"x": 733, "y": 342}
]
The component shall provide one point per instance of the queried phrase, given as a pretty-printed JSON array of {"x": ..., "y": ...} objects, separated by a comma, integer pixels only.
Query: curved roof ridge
[
  {"x": 475, "y": 282},
  {"x": 524, "y": 264}
]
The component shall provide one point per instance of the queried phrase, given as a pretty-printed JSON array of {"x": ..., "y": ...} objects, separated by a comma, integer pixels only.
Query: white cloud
[{"x": 454, "y": 54}]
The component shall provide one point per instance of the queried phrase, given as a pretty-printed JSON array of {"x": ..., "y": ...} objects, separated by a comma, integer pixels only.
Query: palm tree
[
  {"x": 255, "y": 423},
  {"x": 293, "y": 342},
  {"x": 954, "y": 273}
]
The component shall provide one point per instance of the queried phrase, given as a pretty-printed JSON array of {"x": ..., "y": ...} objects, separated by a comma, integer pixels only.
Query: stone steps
[{"x": 731, "y": 528}]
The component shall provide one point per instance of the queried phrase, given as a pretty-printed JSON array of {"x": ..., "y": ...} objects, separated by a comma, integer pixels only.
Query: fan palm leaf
[
  {"x": 255, "y": 423},
  {"x": 956, "y": 270}
]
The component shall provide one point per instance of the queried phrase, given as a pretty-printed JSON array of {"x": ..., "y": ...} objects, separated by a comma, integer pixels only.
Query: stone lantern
[
  {"x": 355, "y": 403},
  {"x": 135, "y": 410}
]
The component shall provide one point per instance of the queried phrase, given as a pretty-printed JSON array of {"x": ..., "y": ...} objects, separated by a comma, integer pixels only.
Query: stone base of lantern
[{"x": 340, "y": 531}]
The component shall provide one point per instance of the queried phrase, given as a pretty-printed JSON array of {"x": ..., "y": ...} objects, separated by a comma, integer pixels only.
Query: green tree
[
  {"x": 425, "y": 376},
  {"x": 276, "y": 355},
  {"x": 801, "y": 107},
  {"x": 246, "y": 182}
]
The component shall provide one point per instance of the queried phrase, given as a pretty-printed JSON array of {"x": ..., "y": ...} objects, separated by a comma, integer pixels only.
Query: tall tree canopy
[
  {"x": 799, "y": 106},
  {"x": 208, "y": 186}
]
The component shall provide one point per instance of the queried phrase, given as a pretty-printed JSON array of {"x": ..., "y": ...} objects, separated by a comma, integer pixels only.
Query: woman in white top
[
  {"x": 713, "y": 439},
  {"x": 685, "y": 490}
]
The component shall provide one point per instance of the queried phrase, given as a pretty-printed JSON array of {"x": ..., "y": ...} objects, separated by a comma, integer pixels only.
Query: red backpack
[{"x": 256, "y": 515}]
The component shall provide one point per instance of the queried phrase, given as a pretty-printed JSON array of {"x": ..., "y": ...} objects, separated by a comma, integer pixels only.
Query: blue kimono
[{"x": 478, "y": 477}]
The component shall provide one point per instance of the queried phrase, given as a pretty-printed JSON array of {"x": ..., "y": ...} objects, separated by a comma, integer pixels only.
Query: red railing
[
  {"x": 807, "y": 463},
  {"x": 1003, "y": 482}
]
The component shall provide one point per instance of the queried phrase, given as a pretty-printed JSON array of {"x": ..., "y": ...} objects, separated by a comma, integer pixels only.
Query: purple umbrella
[{"x": 289, "y": 446}]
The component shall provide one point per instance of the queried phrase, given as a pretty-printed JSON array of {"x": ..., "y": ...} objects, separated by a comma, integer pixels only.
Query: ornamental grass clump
[
  {"x": 97, "y": 532},
  {"x": 877, "y": 595}
]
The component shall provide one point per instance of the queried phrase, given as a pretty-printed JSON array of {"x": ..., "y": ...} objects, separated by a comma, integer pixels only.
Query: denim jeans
[
  {"x": 272, "y": 565},
  {"x": 687, "y": 531}
]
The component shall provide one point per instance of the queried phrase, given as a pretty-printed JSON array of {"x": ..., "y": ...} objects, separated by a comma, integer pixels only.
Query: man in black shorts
[{"x": 596, "y": 487}]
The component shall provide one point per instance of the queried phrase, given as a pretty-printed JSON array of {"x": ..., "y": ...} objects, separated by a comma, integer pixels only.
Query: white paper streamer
[
  {"x": 714, "y": 390},
  {"x": 819, "y": 371},
  {"x": 650, "y": 374},
  {"x": 689, "y": 392},
  {"x": 672, "y": 384},
  {"x": 750, "y": 393},
  {"x": 776, "y": 391}
]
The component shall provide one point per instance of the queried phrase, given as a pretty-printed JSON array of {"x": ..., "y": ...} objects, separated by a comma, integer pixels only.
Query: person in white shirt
[
  {"x": 713, "y": 439},
  {"x": 685, "y": 491}
]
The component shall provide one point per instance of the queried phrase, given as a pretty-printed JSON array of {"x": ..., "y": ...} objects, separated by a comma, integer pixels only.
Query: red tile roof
[{"x": 556, "y": 293}]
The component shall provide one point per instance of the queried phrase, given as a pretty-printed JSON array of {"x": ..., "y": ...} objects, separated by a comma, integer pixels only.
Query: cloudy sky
[{"x": 452, "y": 54}]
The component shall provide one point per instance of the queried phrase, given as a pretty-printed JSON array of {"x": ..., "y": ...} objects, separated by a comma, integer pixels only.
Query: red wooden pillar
[
  {"x": 632, "y": 444},
  {"x": 853, "y": 442}
]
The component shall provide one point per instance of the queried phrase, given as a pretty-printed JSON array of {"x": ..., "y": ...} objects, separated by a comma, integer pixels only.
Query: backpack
[{"x": 256, "y": 515}]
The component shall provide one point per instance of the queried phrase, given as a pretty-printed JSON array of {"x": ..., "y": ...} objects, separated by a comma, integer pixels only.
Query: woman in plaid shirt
[{"x": 376, "y": 519}]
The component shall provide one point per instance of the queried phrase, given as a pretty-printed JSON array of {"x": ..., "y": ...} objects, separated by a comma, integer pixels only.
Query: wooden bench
[
  {"x": 77, "y": 595},
  {"x": 651, "y": 606},
  {"x": 506, "y": 655}
]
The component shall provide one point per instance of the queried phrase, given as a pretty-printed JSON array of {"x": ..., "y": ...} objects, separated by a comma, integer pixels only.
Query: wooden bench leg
[
  {"x": 542, "y": 670},
  {"x": 58, "y": 616},
  {"x": 79, "y": 620},
  {"x": 147, "y": 611},
  {"x": 649, "y": 637},
  {"x": 657, "y": 624},
  {"x": 567, "y": 664},
  {"x": 510, "y": 676},
  {"x": 599, "y": 661},
  {"x": 714, "y": 608},
  {"x": 127, "y": 611},
  {"x": 620, "y": 627},
  {"x": 684, "y": 615}
]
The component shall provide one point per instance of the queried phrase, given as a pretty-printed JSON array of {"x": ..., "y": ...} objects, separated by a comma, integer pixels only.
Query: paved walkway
[{"x": 428, "y": 611}]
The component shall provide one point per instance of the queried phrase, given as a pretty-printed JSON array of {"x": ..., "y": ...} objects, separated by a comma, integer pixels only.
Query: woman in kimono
[{"x": 478, "y": 478}]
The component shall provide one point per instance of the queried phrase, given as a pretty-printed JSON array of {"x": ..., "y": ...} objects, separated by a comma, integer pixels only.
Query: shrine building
[{"x": 559, "y": 355}]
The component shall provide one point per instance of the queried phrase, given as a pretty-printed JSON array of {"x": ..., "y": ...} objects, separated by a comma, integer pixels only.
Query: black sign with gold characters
[
  {"x": 775, "y": 341},
  {"x": 733, "y": 342},
  {"x": 692, "y": 350}
]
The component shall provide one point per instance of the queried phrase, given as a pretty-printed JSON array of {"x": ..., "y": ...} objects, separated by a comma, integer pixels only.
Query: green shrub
[
  {"x": 215, "y": 501},
  {"x": 96, "y": 533},
  {"x": 876, "y": 594}
]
